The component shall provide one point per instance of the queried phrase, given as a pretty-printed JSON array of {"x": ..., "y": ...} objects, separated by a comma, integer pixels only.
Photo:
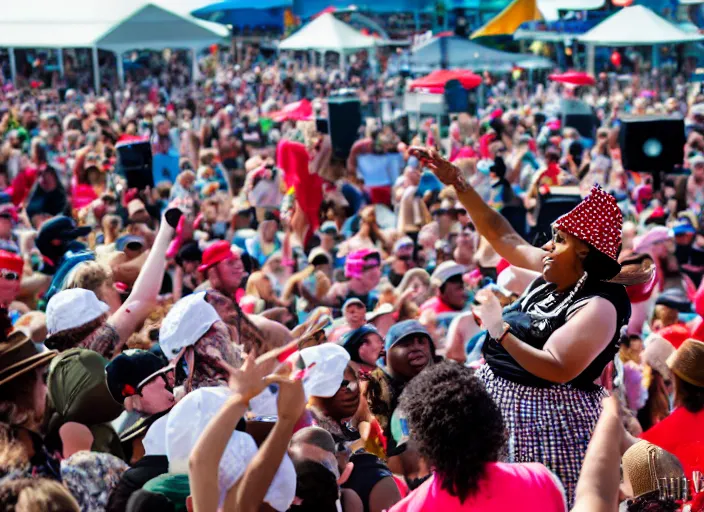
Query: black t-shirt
[
  {"x": 539, "y": 313},
  {"x": 368, "y": 471}
]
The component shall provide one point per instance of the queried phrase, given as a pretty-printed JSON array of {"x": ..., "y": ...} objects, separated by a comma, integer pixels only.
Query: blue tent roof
[
  {"x": 308, "y": 8},
  {"x": 262, "y": 12},
  {"x": 462, "y": 53},
  {"x": 243, "y": 13}
]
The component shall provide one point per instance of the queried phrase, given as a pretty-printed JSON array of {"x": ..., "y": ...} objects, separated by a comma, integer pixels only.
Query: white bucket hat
[
  {"x": 327, "y": 363},
  {"x": 186, "y": 322},
  {"x": 189, "y": 419},
  {"x": 72, "y": 308}
]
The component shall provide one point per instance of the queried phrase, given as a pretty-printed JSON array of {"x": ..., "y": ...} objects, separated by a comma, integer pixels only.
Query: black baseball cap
[
  {"x": 58, "y": 228},
  {"x": 127, "y": 371}
]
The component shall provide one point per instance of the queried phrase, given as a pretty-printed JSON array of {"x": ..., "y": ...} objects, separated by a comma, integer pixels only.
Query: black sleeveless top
[{"x": 538, "y": 313}]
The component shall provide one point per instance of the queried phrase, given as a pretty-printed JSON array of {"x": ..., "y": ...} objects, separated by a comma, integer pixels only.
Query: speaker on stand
[
  {"x": 134, "y": 162},
  {"x": 652, "y": 144},
  {"x": 344, "y": 120}
]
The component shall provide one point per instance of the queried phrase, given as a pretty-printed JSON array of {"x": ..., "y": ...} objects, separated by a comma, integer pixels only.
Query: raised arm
[
  {"x": 489, "y": 223},
  {"x": 248, "y": 494},
  {"x": 143, "y": 297},
  {"x": 204, "y": 462},
  {"x": 597, "y": 489}
]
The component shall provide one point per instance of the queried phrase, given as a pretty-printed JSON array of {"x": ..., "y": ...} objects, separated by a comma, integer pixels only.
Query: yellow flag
[{"x": 508, "y": 20}]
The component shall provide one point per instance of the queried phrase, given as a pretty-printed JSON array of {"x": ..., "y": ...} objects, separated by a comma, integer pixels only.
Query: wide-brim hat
[
  {"x": 18, "y": 355},
  {"x": 688, "y": 362}
]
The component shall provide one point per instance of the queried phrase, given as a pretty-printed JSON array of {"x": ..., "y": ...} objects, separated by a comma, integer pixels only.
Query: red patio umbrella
[
  {"x": 435, "y": 81},
  {"x": 573, "y": 78},
  {"x": 296, "y": 111}
]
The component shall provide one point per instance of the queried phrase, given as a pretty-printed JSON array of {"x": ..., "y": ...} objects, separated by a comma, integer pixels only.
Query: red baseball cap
[
  {"x": 219, "y": 251},
  {"x": 11, "y": 261}
]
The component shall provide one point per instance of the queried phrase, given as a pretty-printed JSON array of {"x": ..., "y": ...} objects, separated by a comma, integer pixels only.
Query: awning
[
  {"x": 435, "y": 81},
  {"x": 296, "y": 111}
]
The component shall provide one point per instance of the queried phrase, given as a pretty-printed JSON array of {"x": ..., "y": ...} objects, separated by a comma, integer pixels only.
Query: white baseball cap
[
  {"x": 188, "y": 320},
  {"x": 446, "y": 270},
  {"x": 327, "y": 364},
  {"x": 72, "y": 308}
]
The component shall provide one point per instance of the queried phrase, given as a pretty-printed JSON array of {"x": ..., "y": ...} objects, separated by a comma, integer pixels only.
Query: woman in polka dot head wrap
[{"x": 545, "y": 353}]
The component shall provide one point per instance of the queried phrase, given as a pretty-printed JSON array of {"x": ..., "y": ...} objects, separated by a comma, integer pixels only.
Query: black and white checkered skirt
[{"x": 548, "y": 425}]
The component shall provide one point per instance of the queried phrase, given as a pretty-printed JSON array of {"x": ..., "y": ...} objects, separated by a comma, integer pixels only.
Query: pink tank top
[{"x": 528, "y": 487}]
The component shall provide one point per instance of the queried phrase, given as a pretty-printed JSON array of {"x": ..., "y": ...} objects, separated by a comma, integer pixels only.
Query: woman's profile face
[
  {"x": 345, "y": 402},
  {"x": 562, "y": 264},
  {"x": 371, "y": 349}
]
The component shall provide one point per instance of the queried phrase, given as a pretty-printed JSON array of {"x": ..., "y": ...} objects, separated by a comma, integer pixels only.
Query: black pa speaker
[
  {"x": 134, "y": 162},
  {"x": 580, "y": 116},
  {"x": 321, "y": 125},
  {"x": 344, "y": 120},
  {"x": 651, "y": 143}
]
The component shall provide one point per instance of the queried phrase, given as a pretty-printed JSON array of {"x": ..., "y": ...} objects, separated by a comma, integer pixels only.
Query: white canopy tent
[
  {"x": 327, "y": 33},
  {"x": 113, "y": 25},
  {"x": 635, "y": 26}
]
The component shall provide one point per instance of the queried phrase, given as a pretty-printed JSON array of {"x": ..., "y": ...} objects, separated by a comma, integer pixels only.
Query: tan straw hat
[
  {"x": 688, "y": 362},
  {"x": 644, "y": 463}
]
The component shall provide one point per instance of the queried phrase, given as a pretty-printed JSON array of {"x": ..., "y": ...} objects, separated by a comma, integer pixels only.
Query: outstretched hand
[
  {"x": 443, "y": 169},
  {"x": 490, "y": 313},
  {"x": 292, "y": 399},
  {"x": 249, "y": 380}
]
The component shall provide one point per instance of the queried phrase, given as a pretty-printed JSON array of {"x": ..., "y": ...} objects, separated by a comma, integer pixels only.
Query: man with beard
[
  {"x": 223, "y": 267},
  {"x": 225, "y": 272}
]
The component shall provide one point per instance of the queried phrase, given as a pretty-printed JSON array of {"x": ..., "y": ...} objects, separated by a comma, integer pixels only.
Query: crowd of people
[{"x": 265, "y": 331}]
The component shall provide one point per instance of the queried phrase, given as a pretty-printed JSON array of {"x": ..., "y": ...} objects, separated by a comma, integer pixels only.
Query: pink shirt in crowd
[
  {"x": 526, "y": 487},
  {"x": 437, "y": 306}
]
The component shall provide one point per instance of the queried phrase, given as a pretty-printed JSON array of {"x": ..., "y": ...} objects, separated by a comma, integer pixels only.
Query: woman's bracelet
[{"x": 506, "y": 331}]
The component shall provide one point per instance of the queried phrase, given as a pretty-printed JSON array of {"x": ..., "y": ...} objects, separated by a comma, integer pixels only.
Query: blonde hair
[
  {"x": 89, "y": 275},
  {"x": 322, "y": 282},
  {"x": 253, "y": 284}
]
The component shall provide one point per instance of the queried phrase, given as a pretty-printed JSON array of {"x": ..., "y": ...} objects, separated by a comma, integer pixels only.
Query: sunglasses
[
  {"x": 163, "y": 374},
  {"x": 9, "y": 275},
  {"x": 352, "y": 386}
]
